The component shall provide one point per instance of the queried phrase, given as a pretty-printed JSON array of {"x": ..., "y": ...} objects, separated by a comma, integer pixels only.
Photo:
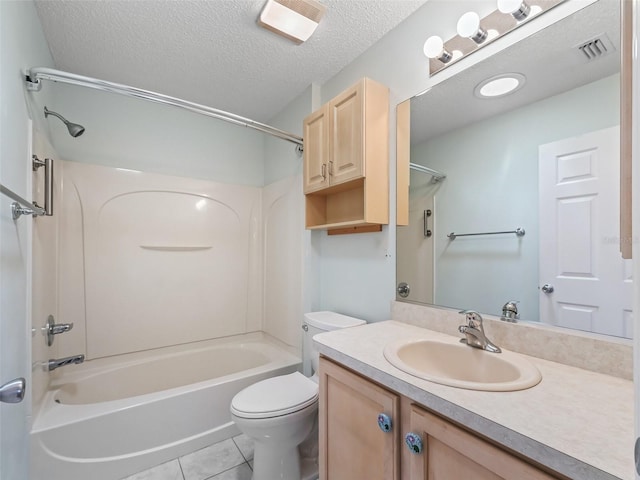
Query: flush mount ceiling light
[
  {"x": 500, "y": 85},
  {"x": 293, "y": 19}
]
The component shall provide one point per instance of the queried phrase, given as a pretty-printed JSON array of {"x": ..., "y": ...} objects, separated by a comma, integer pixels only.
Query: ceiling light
[
  {"x": 500, "y": 85},
  {"x": 517, "y": 8},
  {"x": 434, "y": 48},
  {"x": 293, "y": 19},
  {"x": 469, "y": 27}
]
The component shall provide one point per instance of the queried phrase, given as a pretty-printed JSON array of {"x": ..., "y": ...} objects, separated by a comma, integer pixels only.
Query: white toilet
[{"x": 279, "y": 413}]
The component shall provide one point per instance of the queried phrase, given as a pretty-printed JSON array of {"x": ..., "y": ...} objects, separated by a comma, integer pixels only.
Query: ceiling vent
[{"x": 596, "y": 48}]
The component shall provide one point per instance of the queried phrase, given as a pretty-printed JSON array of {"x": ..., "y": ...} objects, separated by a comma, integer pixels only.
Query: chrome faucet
[
  {"x": 54, "y": 363},
  {"x": 474, "y": 332},
  {"x": 510, "y": 311}
]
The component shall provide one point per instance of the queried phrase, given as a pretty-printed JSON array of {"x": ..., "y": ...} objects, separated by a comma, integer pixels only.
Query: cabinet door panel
[
  {"x": 352, "y": 446},
  {"x": 347, "y": 135},
  {"x": 316, "y": 150},
  {"x": 450, "y": 453}
]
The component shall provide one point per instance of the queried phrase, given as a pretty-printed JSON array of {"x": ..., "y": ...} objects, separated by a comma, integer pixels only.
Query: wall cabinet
[
  {"x": 346, "y": 159},
  {"x": 352, "y": 445}
]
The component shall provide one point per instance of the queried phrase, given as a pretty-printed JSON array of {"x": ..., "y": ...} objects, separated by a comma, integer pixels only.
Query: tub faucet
[
  {"x": 54, "y": 363},
  {"x": 474, "y": 332}
]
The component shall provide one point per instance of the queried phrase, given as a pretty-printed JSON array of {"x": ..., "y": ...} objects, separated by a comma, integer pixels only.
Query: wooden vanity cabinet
[
  {"x": 449, "y": 452},
  {"x": 352, "y": 446},
  {"x": 346, "y": 159}
]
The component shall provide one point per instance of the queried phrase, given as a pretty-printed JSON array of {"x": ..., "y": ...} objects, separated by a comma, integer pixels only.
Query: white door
[
  {"x": 584, "y": 282},
  {"x": 15, "y": 255}
]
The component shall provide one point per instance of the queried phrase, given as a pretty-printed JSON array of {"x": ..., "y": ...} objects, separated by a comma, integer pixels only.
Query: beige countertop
[{"x": 577, "y": 422}]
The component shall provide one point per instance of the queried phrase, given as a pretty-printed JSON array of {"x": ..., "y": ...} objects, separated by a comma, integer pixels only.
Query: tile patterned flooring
[{"x": 230, "y": 459}]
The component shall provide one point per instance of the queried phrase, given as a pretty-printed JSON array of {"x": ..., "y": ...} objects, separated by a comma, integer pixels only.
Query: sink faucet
[
  {"x": 54, "y": 363},
  {"x": 474, "y": 332}
]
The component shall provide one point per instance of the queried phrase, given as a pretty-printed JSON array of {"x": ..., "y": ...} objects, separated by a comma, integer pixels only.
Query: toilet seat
[{"x": 275, "y": 397}]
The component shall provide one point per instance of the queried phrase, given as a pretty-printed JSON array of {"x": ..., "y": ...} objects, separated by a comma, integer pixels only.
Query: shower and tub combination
[
  {"x": 180, "y": 294},
  {"x": 139, "y": 410}
]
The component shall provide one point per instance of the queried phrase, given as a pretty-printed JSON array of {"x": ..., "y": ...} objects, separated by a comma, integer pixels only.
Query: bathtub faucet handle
[{"x": 52, "y": 328}]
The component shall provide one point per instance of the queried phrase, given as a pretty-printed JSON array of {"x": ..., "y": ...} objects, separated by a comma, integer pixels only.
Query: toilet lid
[{"x": 275, "y": 396}]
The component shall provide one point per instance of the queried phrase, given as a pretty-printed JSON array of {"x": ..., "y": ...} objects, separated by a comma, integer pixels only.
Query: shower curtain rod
[
  {"x": 437, "y": 176},
  {"x": 35, "y": 74}
]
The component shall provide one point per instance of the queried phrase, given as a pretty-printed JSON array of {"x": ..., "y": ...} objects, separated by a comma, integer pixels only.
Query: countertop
[{"x": 576, "y": 422}]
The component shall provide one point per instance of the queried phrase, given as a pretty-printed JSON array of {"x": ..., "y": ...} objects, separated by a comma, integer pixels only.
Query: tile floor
[{"x": 230, "y": 459}]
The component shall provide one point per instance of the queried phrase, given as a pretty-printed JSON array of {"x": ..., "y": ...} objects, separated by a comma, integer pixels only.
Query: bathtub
[{"x": 112, "y": 417}]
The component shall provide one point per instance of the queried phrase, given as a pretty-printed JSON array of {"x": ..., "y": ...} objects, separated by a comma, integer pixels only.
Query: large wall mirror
[{"x": 543, "y": 160}]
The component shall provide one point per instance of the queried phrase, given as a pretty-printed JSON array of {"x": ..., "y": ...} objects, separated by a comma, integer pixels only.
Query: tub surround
[
  {"x": 589, "y": 351},
  {"x": 576, "y": 422}
]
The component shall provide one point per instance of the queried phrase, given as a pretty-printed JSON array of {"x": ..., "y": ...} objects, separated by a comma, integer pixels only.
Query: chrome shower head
[{"x": 75, "y": 130}]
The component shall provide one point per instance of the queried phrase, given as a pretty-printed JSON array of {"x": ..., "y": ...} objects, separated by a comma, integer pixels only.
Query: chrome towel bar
[{"x": 518, "y": 231}]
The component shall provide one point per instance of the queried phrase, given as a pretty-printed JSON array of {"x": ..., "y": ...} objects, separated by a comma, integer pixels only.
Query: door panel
[
  {"x": 579, "y": 211},
  {"x": 15, "y": 255}
]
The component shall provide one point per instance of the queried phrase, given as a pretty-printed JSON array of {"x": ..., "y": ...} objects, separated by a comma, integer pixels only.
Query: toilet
[{"x": 279, "y": 413}]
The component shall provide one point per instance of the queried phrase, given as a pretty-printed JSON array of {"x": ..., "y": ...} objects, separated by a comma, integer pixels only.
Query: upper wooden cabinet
[{"x": 346, "y": 159}]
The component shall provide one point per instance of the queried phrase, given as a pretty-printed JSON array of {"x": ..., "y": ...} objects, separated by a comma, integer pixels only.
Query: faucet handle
[{"x": 474, "y": 319}]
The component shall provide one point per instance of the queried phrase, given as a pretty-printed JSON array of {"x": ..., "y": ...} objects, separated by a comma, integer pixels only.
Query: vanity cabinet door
[
  {"x": 449, "y": 452},
  {"x": 352, "y": 444}
]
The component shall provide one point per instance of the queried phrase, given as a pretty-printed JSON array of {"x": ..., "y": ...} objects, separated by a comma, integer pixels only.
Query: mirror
[{"x": 543, "y": 159}]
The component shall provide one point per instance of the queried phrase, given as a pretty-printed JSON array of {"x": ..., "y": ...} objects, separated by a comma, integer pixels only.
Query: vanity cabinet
[
  {"x": 346, "y": 159},
  {"x": 352, "y": 445}
]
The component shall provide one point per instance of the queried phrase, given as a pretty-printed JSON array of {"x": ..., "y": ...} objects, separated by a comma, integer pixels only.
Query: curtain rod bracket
[{"x": 32, "y": 85}]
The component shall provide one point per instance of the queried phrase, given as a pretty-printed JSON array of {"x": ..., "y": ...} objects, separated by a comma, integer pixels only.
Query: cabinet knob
[
  {"x": 413, "y": 442},
  {"x": 384, "y": 422}
]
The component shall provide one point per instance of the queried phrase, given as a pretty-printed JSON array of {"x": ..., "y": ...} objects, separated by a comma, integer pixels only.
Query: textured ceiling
[{"x": 211, "y": 52}]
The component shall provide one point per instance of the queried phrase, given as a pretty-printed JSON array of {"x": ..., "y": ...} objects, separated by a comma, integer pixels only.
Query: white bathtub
[{"x": 110, "y": 418}]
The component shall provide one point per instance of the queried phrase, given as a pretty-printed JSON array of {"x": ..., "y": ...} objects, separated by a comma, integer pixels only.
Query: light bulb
[
  {"x": 434, "y": 48},
  {"x": 469, "y": 27},
  {"x": 517, "y": 8}
]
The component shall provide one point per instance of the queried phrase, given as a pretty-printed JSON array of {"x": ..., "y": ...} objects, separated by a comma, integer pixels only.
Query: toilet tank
[{"x": 318, "y": 322}]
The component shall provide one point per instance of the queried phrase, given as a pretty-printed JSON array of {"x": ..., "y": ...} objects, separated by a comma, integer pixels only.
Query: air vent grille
[{"x": 596, "y": 48}]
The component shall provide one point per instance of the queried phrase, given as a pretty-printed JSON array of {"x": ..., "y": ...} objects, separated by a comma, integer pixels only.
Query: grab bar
[
  {"x": 518, "y": 231},
  {"x": 21, "y": 206},
  {"x": 48, "y": 182}
]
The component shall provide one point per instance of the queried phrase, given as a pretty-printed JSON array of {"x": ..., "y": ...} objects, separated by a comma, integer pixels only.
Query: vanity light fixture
[
  {"x": 295, "y": 20},
  {"x": 509, "y": 15},
  {"x": 434, "y": 48},
  {"x": 518, "y": 9},
  {"x": 469, "y": 27},
  {"x": 500, "y": 85}
]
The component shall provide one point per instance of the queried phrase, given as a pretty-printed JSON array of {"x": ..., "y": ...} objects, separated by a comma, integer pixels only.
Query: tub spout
[{"x": 54, "y": 363}]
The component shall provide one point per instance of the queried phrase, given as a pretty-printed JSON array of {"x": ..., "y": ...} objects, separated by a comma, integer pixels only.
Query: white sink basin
[{"x": 457, "y": 365}]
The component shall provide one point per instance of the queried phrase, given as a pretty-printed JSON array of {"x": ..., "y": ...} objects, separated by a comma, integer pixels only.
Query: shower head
[{"x": 75, "y": 130}]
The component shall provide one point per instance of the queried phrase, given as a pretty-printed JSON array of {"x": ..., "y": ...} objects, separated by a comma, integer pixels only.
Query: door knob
[
  {"x": 547, "y": 288},
  {"x": 403, "y": 290},
  {"x": 13, "y": 391}
]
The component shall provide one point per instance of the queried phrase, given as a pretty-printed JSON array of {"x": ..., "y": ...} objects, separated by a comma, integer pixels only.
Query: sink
[{"x": 451, "y": 363}]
